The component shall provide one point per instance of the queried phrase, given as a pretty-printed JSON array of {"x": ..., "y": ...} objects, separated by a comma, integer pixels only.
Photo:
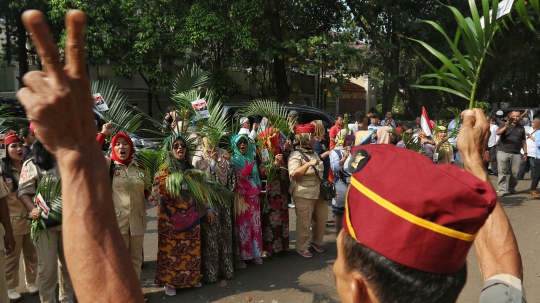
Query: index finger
[
  {"x": 75, "y": 52},
  {"x": 36, "y": 25}
]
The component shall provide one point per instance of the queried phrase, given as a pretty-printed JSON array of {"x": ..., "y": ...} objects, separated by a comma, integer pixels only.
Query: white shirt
[
  {"x": 493, "y": 138},
  {"x": 252, "y": 135},
  {"x": 531, "y": 145}
]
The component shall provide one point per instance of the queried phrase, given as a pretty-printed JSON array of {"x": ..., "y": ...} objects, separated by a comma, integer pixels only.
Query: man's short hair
[
  {"x": 393, "y": 282},
  {"x": 375, "y": 116},
  {"x": 338, "y": 116}
]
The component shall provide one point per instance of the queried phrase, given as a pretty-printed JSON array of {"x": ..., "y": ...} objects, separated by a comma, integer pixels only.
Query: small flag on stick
[{"x": 424, "y": 123}]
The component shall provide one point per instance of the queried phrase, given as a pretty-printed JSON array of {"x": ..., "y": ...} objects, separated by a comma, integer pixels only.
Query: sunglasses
[
  {"x": 178, "y": 145},
  {"x": 242, "y": 141}
]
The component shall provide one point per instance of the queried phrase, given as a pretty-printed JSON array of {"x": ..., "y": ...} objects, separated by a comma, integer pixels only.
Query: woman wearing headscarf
[
  {"x": 178, "y": 263},
  {"x": 338, "y": 156},
  {"x": 275, "y": 215},
  {"x": 219, "y": 246},
  {"x": 49, "y": 246},
  {"x": 310, "y": 209},
  {"x": 129, "y": 196},
  {"x": 11, "y": 170},
  {"x": 443, "y": 148},
  {"x": 246, "y": 201}
]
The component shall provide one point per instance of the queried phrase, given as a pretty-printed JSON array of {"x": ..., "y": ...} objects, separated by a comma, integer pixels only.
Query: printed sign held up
[
  {"x": 100, "y": 102},
  {"x": 201, "y": 108}
]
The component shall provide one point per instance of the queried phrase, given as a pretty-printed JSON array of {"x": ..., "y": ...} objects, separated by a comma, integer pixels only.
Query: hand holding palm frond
[
  {"x": 50, "y": 189},
  {"x": 275, "y": 112},
  {"x": 125, "y": 118},
  {"x": 215, "y": 127}
]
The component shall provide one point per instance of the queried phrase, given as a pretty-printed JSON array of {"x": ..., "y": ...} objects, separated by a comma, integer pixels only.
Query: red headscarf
[{"x": 131, "y": 148}]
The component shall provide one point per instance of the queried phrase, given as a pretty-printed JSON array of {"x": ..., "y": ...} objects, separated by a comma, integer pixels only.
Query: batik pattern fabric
[
  {"x": 275, "y": 211},
  {"x": 178, "y": 263},
  {"x": 220, "y": 252}
]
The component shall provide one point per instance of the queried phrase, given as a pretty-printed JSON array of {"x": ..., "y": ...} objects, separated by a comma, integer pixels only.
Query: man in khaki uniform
[{"x": 49, "y": 246}]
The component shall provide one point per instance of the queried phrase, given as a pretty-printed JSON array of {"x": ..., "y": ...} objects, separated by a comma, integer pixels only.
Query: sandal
[
  {"x": 169, "y": 291},
  {"x": 242, "y": 265},
  {"x": 257, "y": 261},
  {"x": 316, "y": 247},
  {"x": 306, "y": 254}
]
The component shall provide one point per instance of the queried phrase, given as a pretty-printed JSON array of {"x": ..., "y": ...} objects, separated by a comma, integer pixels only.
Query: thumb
[{"x": 469, "y": 118}]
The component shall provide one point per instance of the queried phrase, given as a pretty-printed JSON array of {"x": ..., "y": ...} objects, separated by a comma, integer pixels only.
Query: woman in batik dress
[
  {"x": 246, "y": 201},
  {"x": 178, "y": 263},
  {"x": 275, "y": 210},
  {"x": 219, "y": 245}
]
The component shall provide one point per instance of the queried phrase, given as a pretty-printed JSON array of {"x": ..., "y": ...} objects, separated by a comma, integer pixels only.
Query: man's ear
[{"x": 361, "y": 293}]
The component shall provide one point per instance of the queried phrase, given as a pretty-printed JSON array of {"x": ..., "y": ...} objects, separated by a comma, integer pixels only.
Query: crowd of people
[{"x": 392, "y": 248}]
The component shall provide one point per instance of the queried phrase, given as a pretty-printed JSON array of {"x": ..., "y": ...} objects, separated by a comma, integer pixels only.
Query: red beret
[
  {"x": 304, "y": 129},
  {"x": 11, "y": 137},
  {"x": 412, "y": 211}
]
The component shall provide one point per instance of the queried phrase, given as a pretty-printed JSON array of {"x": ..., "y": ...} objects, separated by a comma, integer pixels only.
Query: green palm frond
[
  {"x": 461, "y": 72},
  {"x": 215, "y": 127},
  {"x": 190, "y": 78},
  {"x": 50, "y": 188},
  {"x": 192, "y": 183},
  {"x": 150, "y": 160},
  {"x": 275, "y": 112},
  {"x": 125, "y": 118},
  {"x": 528, "y": 12}
]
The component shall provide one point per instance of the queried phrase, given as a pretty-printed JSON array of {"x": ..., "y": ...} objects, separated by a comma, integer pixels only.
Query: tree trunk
[
  {"x": 21, "y": 49},
  {"x": 8, "y": 30},
  {"x": 280, "y": 74}
]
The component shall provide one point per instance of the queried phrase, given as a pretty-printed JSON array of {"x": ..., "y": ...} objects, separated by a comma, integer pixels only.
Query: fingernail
[{"x": 469, "y": 112}]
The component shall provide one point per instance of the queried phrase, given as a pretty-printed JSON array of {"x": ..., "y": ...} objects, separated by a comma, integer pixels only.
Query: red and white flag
[{"x": 424, "y": 123}]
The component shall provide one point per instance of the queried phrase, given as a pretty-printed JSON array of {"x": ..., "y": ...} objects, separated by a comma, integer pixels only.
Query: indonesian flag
[{"x": 424, "y": 122}]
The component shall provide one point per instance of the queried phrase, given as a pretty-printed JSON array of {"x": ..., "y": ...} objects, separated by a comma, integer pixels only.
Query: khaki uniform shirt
[
  {"x": 3, "y": 194},
  {"x": 31, "y": 174},
  {"x": 128, "y": 197},
  {"x": 308, "y": 186},
  {"x": 16, "y": 208}
]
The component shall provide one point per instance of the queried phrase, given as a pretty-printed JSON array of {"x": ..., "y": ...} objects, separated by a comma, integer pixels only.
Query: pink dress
[{"x": 248, "y": 218}]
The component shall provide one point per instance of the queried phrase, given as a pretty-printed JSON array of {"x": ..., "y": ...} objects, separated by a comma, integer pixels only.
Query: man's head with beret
[{"x": 408, "y": 227}]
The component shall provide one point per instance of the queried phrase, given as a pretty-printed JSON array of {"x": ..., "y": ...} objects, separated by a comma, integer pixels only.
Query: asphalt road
[{"x": 291, "y": 278}]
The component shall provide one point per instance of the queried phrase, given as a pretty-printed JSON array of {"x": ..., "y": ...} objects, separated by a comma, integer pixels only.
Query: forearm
[
  {"x": 495, "y": 244},
  {"x": 88, "y": 216},
  {"x": 4, "y": 216},
  {"x": 301, "y": 171},
  {"x": 26, "y": 200}
]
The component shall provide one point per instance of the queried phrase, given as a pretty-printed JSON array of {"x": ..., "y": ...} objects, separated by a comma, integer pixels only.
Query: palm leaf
[
  {"x": 50, "y": 188},
  {"x": 150, "y": 160},
  {"x": 275, "y": 112},
  {"x": 462, "y": 72},
  {"x": 190, "y": 78},
  {"x": 215, "y": 127},
  {"x": 191, "y": 183},
  {"x": 125, "y": 118}
]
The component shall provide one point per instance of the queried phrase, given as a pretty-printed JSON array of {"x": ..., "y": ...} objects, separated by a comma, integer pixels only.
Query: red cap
[
  {"x": 304, "y": 128},
  {"x": 11, "y": 137},
  {"x": 422, "y": 215}
]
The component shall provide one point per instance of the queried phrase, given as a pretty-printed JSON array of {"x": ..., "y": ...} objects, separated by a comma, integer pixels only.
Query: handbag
[
  {"x": 327, "y": 189},
  {"x": 182, "y": 221}
]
